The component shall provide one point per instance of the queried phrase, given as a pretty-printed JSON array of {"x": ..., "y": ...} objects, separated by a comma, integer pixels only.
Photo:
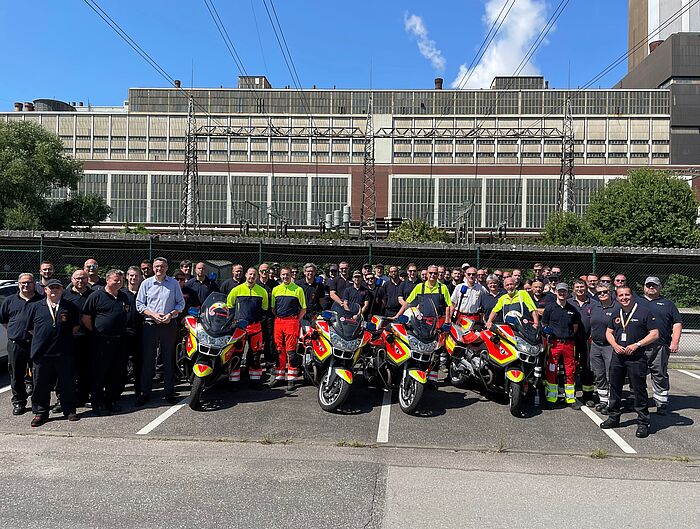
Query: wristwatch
[{"x": 639, "y": 345}]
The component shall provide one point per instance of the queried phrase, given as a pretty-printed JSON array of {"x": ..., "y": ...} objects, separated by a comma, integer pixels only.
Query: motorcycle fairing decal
[
  {"x": 450, "y": 343},
  {"x": 400, "y": 330},
  {"x": 504, "y": 354},
  {"x": 191, "y": 323},
  {"x": 345, "y": 374},
  {"x": 227, "y": 353},
  {"x": 366, "y": 337},
  {"x": 515, "y": 375},
  {"x": 420, "y": 376},
  {"x": 190, "y": 345},
  {"x": 322, "y": 348},
  {"x": 399, "y": 351},
  {"x": 455, "y": 333},
  {"x": 201, "y": 370}
]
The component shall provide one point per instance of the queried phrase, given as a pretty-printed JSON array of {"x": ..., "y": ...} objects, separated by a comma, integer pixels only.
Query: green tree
[
  {"x": 418, "y": 231},
  {"x": 79, "y": 210},
  {"x": 649, "y": 208},
  {"x": 31, "y": 164}
]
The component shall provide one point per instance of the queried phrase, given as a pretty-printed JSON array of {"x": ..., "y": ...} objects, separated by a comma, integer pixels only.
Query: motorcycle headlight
[
  {"x": 524, "y": 347},
  {"x": 416, "y": 345},
  {"x": 344, "y": 345},
  {"x": 211, "y": 341}
]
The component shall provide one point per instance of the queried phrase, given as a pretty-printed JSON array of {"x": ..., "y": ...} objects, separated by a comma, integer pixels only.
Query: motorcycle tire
[
  {"x": 410, "y": 394},
  {"x": 331, "y": 398},
  {"x": 515, "y": 398},
  {"x": 457, "y": 379},
  {"x": 196, "y": 393}
]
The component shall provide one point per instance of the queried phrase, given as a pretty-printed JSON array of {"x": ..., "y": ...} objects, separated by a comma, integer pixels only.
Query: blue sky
[{"x": 61, "y": 49}]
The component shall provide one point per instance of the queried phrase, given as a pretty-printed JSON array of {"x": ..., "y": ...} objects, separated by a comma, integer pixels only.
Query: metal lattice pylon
[
  {"x": 368, "y": 209},
  {"x": 566, "y": 192},
  {"x": 189, "y": 208}
]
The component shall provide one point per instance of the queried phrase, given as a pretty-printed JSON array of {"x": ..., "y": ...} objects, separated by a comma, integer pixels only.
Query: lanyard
[
  {"x": 53, "y": 310},
  {"x": 622, "y": 318}
]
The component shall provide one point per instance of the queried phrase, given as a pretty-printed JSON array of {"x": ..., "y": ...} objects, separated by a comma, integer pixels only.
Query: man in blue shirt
[{"x": 160, "y": 300}]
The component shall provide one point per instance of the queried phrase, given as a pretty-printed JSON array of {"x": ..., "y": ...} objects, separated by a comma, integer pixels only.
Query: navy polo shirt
[
  {"x": 78, "y": 300},
  {"x": 641, "y": 322},
  {"x": 561, "y": 319},
  {"x": 202, "y": 288},
  {"x": 314, "y": 294},
  {"x": 355, "y": 295},
  {"x": 390, "y": 294},
  {"x": 109, "y": 313},
  {"x": 134, "y": 319},
  {"x": 488, "y": 302},
  {"x": 666, "y": 314},
  {"x": 584, "y": 328},
  {"x": 229, "y": 284},
  {"x": 51, "y": 337},
  {"x": 599, "y": 318},
  {"x": 546, "y": 299},
  {"x": 376, "y": 299},
  {"x": 339, "y": 284},
  {"x": 13, "y": 313},
  {"x": 408, "y": 287}
]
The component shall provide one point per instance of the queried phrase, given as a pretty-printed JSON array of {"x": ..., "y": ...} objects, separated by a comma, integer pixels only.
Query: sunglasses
[
  {"x": 651, "y": 285},
  {"x": 619, "y": 281},
  {"x": 599, "y": 292},
  {"x": 470, "y": 274},
  {"x": 411, "y": 271},
  {"x": 432, "y": 273},
  {"x": 264, "y": 271},
  {"x": 25, "y": 283}
]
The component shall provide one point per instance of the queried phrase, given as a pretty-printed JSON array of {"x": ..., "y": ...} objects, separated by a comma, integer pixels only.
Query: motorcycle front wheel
[
  {"x": 410, "y": 394},
  {"x": 457, "y": 378},
  {"x": 515, "y": 398},
  {"x": 332, "y": 396},
  {"x": 196, "y": 392}
]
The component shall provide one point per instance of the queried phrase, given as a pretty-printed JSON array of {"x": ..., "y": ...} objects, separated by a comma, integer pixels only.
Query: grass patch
[
  {"x": 501, "y": 448},
  {"x": 687, "y": 367},
  {"x": 600, "y": 453},
  {"x": 269, "y": 440},
  {"x": 353, "y": 444},
  {"x": 358, "y": 444},
  {"x": 682, "y": 459},
  {"x": 341, "y": 443}
]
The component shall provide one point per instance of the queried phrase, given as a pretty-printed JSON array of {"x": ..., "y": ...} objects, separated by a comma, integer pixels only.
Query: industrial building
[{"x": 496, "y": 152}]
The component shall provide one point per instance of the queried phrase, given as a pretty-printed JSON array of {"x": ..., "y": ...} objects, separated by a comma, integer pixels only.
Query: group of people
[{"x": 77, "y": 339}]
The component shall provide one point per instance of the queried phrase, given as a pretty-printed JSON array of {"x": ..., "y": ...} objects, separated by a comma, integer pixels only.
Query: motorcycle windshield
[
  {"x": 216, "y": 318},
  {"x": 347, "y": 322},
  {"x": 423, "y": 319},
  {"x": 529, "y": 333}
]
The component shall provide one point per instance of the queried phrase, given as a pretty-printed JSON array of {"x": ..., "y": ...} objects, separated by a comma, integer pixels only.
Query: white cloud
[
  {"x": 414, "y": 25},
  {"x": 503, "y": 56}
]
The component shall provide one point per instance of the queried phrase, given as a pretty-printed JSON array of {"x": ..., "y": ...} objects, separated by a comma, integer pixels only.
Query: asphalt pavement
[{"x": 274, "y": 459}]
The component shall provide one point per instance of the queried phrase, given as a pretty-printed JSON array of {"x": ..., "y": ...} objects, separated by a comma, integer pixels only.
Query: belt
[
  {"x": 600, "y": 344},
  {"x": 296, "y": 317}
]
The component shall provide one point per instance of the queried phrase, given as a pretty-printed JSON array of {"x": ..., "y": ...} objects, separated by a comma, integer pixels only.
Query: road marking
[
  {"x": 682, "y": 371},
  {"x": 619, "y": 441},
  {"x": 6, "y": 388},
  {"x": 383, "y": 431},
  {"x": 161, "y": 418}
]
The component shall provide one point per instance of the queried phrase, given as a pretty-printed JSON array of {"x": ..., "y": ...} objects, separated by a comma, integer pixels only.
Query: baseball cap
[
  {"x": 562, "y": 286},
  {"x": 553, "y": 277},
  {"x": 465, "y": 265},
  {"x": 366, "y": 265},
  {"x": 357, "y": 273},
  {"x": 653, "y": 279},
  {"x": 54, "y": 283},
  {"x": 333, "y": 267}
]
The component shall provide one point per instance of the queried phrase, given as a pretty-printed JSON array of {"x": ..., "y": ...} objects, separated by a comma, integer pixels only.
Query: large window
[
  {"x": 327, "y": 194},
  {"x": 503, "y": 199},
  {"x": 289, "y": 198},
  {"x": 541, "y": 200},
  {"x": 249, "y": 199},
  {"x": 584, "y": 190},
  {"x": 459, "y": 197},
  {"x": 413, "y": 198},
  {"x": 93, "y": 183},
  {"x": 212, "y": 199},
  {"x": 129, "y": 197},
  {"x": 165, "y": 198}
]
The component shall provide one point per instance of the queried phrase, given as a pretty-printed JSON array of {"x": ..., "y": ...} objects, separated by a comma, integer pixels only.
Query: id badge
[{"x": 623, "y": 337}]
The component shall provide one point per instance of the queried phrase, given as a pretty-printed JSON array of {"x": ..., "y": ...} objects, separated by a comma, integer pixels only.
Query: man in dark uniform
[
  {"x": 201, "y": 284},
  {"x": 77, "y": 293},
  {"x": 490, "y": 299},
  {"x": 46, "y": 272},
  {"x": 602, "y": 309},
  {"x": 190, "y": 296},
  {"x": 13, "y": 315},
  {"x": 564, "y": 320},
  {"x": 105, "y": 315},
  {"x": 267, "y": 323},
  {"x": 314, "y": 291},
  {"x": 134, "y": 327},
  {"x": 411, "y": 281},
  {"x": 93, "y": 271},
  {"x": 582, "y": 303},
  {"x": 374, "y": 293},
  {"x": 356, "y": 292},
  {"x": 669, "y": 323},
  {"x": 52, "y": 323},
  {"x": 393, "y": 292},
  {"x": 235, "y": 280},
  {"x": 338, "y": 284},
  {"x": 630, "y": 332},
  {"x": 541, "y": 298}
]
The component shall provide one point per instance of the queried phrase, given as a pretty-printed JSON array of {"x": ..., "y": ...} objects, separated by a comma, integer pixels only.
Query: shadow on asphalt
[{"x": 436, "y": 403}]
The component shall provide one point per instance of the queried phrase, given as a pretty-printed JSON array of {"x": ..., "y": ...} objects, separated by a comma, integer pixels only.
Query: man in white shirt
[{"x": 468, "y": 302}]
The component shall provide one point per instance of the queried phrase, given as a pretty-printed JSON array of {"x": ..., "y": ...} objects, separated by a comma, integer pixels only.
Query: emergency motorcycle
[
  {"x": 403, "y": 352},
  {"x": 214, "y": 340},
  {"x": 332, "y": 344}
]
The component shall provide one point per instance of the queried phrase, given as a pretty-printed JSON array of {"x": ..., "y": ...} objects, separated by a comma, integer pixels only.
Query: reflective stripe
[
  {"x": 433, "y": 375},
  {"x": 234, "y": 375},
  {"x": 603, "y": 393},
  {"x": 570, "y": 393},
  {"x": 663, "y": 399},
  {"x": 588, "y": 389},
  {"x": 255, "y": 374},
  {"x": 551, "y": 391}
]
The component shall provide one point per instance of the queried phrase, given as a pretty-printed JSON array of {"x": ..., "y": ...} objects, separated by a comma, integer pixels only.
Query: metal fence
[{"x": 679, "y": 270}]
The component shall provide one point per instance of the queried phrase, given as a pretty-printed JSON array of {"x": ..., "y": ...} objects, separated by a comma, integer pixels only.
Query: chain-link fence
[{"x": 678, "y": 270}]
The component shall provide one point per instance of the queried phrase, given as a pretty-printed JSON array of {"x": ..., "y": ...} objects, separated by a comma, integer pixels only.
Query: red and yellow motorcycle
[
  {"x": 332, "y": 345},
  {"x": 214, "y": 340}
]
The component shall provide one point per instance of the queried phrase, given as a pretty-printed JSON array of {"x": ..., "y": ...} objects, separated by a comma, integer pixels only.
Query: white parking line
[
  {"x": 619, "y": 441},
  {"x": 689, "y": 373},
  {"x": 6, "y": 388},
  {"x": 161, "y": 418},
  {"x": 383, "y": 431}
]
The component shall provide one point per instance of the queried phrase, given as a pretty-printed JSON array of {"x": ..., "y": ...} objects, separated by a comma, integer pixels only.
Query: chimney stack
[
  {"x": 29, "y": 107},
  {"x": 80, "y": 104},
  {"x": 438, "y": 83},
  {"x": 177, "y": 83},
  {"x": 18, "y": 106}
]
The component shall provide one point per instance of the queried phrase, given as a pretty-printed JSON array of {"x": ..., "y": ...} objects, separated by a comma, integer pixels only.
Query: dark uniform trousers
[
  {"x": 133, "y": 344},
  {"x": 635, "y": 366},
  {"x": 269, "y": 350},
  {"x": 17, "y": 363},
  {"x": 82, "y": 354},
  {"x": 108, "y": 368},
  {"x": 165, "y": 335},
  {"x": 586, "y": 376},
  {"x": 48, "y": 370}
]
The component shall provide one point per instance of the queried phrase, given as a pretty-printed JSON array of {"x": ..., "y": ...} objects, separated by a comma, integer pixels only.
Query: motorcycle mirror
[
  {"x": 242, "y": 324},
  {"x": 445, "y": 327},
  {"x": 401, "y": 319},
  {"x": 194, "y": 311},
  {"x": 327, "y": 314},
  {"x": 463, "y": 289},
  {"x": 371, "y": 327}
]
